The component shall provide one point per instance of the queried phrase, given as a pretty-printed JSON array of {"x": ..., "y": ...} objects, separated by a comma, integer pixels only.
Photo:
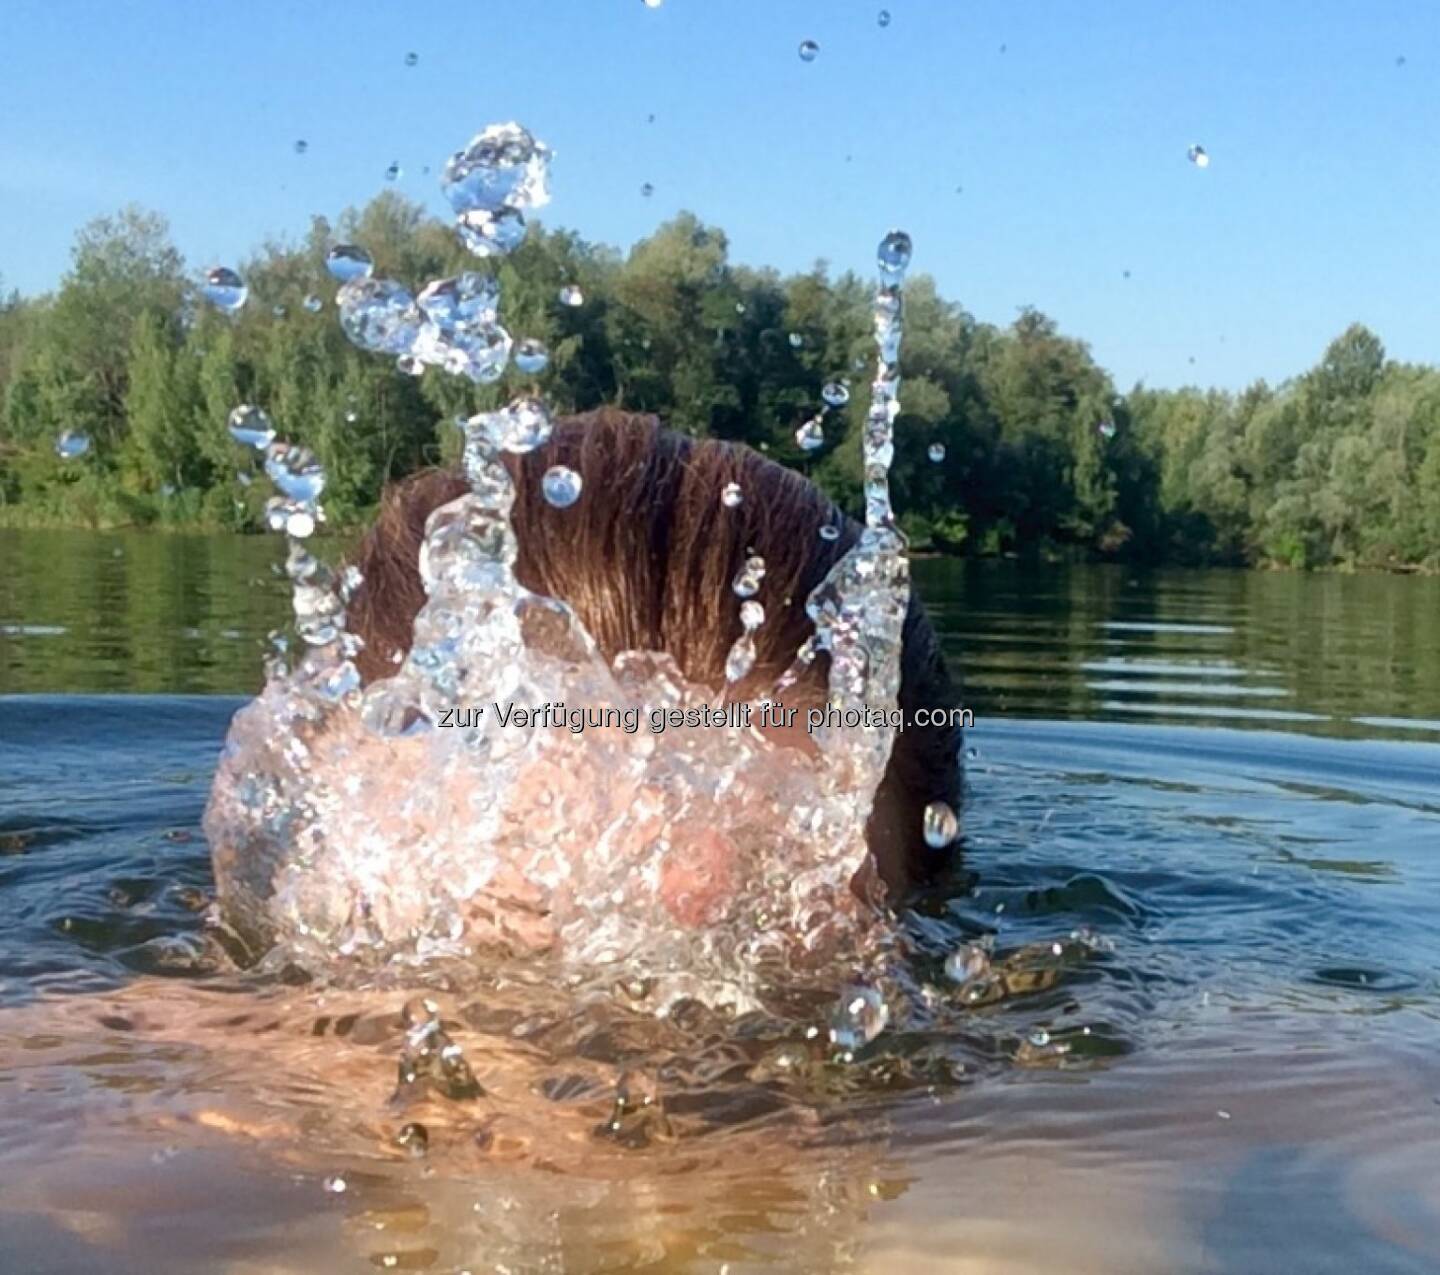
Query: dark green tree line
[{"x": 1340, "y": 466}]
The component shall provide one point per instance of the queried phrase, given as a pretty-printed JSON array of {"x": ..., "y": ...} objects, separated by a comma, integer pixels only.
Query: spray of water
[{"x": 354, "y": 824}]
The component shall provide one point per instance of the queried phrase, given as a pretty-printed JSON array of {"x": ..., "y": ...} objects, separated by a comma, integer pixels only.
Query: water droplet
[
  {"x": 941, "y": 825},
  {"x": 647, "y": 190},
  {"x": 410, "y": 365},
  {"x": 741, "y": 659},
  {"x": 1039, "y": 1038},
  {"x": 469, "y": 300},
  {"x": 830, "y": 532},
  {"x": 314, "y": 303},
  {"x": 480, "y": 353},
  {"x": 810, "y": 435},
  {"x": 351, "y": 417},
  {"x": 571, "y": 295},
  {"x": 893, "y": 256},
  {"x": 809, "y": 50},
  {"x": 278, "y": 311},
  {"x": 884, "y": 18},
  {"x": 348, "y": 262},
  {"x": 491, "y": 234},
  {"x": 393, "y": 172},
  {"x": 521, "y": 426},
  {"x": 336, "y": 1185},
  {"x": 653, "y": 4},
  {"x": 531, "y": 356},
  {"x": 251, "y": 426},
  {"x": 295, "y": 471},
  {"x": 412, "y": 59},
  {"x": 301, "y": 146},
  {"x": 1224, "y": 1115},
  {"x": 747, "y": 580},
  {"x": 560, "y": 486},
  {"x": 1198, "y": 156},
  {"x": 414, "y": 1138},
  {"x": 1107, "y": 429},
  {"x": 936, "y": 452},
  {"x": 72, "y": 444},
  {"x": 796, "y": 340},
  {"x": 739, "y": 307},
  {"x": 835, "y": 393},
  {"x": 379, "y": 315},
  {"x": 731, "y": 496},
  {"x": 225, "y": 289},
  {"x": 752, "y": 615},
  {"x": 502, "y": 167},
  {"x": 859, "y": 1017}
]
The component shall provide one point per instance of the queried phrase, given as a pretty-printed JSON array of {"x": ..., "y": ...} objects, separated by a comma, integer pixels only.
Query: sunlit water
[{"x": 1228, "y": 785}]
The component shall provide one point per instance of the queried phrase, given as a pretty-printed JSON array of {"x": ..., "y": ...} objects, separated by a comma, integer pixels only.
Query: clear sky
[{"x": 1035, "y": 149}]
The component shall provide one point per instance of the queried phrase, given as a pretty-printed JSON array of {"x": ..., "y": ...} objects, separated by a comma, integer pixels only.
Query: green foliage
[{"x": 1339, "y": 467}]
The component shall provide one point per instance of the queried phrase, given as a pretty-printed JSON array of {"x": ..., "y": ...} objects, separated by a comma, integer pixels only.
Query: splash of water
[{"x": 386, "y": 827}]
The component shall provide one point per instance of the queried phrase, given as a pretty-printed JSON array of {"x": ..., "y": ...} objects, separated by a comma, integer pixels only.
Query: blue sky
[{"x": 1066, "y": 125}]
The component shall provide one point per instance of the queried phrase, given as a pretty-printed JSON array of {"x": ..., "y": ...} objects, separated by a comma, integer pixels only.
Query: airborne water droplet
[
  {"x": 72, "y": 444},
  {"x": 313, "y": 303},
  {"x": 940, "y": 825},
  {"x": 502, "y": 167},
  {"x": 571, "y": 295},
  {"x": 884, "y": 18},
  {"x": 1107, "y": 429},
  {"x": 936, "y": 452},
  {"x": 647, "y": 190},
  {"x": 336, "y": 1185},
  {"x": 810, "y": 435},
  {"x": 521, "y": 426},
  {"x": 808, "y": 50},
  {"x": 491, "y": 234},
  {"x": 301, "y": 146},
  {"x": 747, "y": 580},
  {"x": 469, "y": 300},
  {"x": 531, "y": 356},
  {"x": 379, "y": 315},
  {"x": 560, "y": 486},
  {"x": 347, "y": 262},
  {"x": 225, "y": 289},
  {"x": 796, "y": 340},
  {"x": 893, "y": 255},
  {"x": 752, "y": 615},
  {"x": 1198, "y": 156},
  {"x": 393, "y": 172},
  {"x": 830, "y": 532},
  {"x": 411, "y": 59},
  {"x": 731, "y": 496},
  {"x": 251, "y": 426},
  {"x": 295, "y": 471},
  {"x": 835, "y": 393}
]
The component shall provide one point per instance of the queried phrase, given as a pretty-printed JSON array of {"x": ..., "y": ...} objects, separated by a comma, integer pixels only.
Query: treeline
[{"x": 1340, "y": 466}]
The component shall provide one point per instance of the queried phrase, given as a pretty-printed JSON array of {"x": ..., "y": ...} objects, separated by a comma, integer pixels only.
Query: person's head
[{"x": 646, "y": 559}]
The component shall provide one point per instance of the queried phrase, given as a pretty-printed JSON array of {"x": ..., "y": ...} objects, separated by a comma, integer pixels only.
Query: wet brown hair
[{"x": 646, "y": 558}]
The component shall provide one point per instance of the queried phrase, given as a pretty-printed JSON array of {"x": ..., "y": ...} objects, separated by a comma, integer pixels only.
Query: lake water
[{"x": 1229, "y": 783}]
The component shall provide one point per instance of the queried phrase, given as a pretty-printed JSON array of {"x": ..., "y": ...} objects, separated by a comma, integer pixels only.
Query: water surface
[{"x": 1231, "y": 780}]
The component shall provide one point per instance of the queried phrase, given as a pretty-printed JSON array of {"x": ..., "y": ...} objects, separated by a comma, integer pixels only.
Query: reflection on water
[
  {"x": 1232, "y": 1068},
  {"x": 1348, "y": 656}
]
